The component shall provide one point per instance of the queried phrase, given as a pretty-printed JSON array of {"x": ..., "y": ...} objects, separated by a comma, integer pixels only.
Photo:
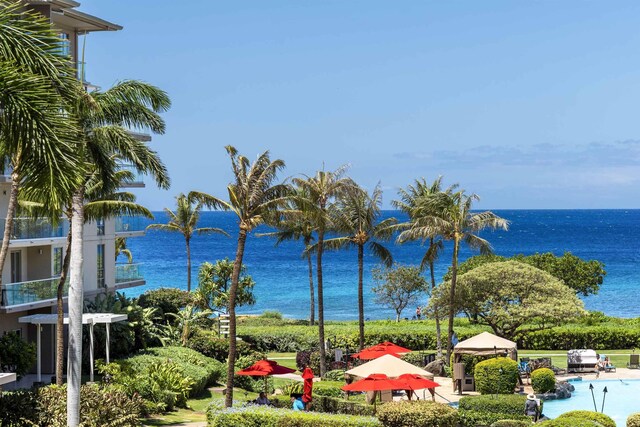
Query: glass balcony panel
[
  {"x": 128, "y": 224},
  {"x": 30, "y": 228},
  {"x": 128, "y": 273},
  {"x": 31, "y": 291}
]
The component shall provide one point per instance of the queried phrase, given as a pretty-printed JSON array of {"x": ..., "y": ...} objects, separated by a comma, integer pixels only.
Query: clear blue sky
[{"x": 530, "y": 104}]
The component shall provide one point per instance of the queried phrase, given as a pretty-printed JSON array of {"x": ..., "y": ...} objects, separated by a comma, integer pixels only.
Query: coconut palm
[
  {"x": 185, "y": 221},
  {"x": 411, "y": 198},
  {"x": 296, "y": 223},
  {"x": 254, "y": 197},
  {"x": 449, "y": 214},
  {"x": 320, "y": 191},
  {"x": 356, "y": 216},
  {"x": 104, "y": 119}
]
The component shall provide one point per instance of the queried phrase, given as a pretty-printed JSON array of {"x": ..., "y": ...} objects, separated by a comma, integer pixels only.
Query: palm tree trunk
[
  {"x": 452, "y": 295},
  {"x": 60, "y": 310},
  {"x": 188, "y": 266},
  {"x": 436, "y": 313},
  {"x": 8, "y": 224},
  {"x": 237, "y": 266},
  {"x": 323, "y": 353},
  {"x": 312, "y": 302},
  {"x": 74, "y": 361},
  {"x": 360, "y": 296}
]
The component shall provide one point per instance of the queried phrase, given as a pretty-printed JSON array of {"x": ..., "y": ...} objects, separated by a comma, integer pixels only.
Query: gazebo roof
[
  {"x": 87, "y": 318},
  {"x": 484, "y": 344}
]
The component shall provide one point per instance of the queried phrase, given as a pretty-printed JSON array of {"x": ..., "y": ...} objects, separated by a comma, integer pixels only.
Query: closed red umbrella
[
  {"x": 380, "y": 350},
  {"x": 307, "y": 394},
  {"x": 264, "y": 368}
]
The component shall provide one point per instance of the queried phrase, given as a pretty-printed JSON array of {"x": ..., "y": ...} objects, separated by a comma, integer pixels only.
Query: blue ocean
[{"x": 281, "y": 275}]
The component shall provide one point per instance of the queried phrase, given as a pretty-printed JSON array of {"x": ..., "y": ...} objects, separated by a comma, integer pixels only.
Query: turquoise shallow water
[
  {"x": 620, "y": 402},
  {"x": 611, "y": 236}
]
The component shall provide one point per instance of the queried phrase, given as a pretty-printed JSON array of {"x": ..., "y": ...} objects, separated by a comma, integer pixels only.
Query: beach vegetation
[
  {"x": 355, "y": 218},
  {"x": 185, "y": 221},
  {"x": 511, "y": 298},
  {"x": 398, "y": 287},
  {"x": 214, "y": 282}
]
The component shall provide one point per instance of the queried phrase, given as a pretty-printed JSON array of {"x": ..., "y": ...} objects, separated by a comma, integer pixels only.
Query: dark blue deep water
[{"x": 611, "y": 236}]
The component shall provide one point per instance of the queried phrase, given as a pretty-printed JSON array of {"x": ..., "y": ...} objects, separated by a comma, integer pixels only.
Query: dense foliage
[
  {"x": 214, "y": 281},
  {"x": 210, "y": 344},
  {"x": 16, "y": 355},
  {"x": 511, "y": 423},
  {"x": 569, "y": 422},
  {"x": 421, "y": 413},
  {"x": 496, "y": 376},
  {"x": 603, "y": 419},
  {"x": 633, "y": 420},
  {"x": 489, "y": 409},
  {"x": 511, "y": 298},
  {"x": 543, "y": 380},
  {"x": 17, "y": 406},
  {"x": 330, "y": 405},
  {"x": 253, "y": 416},
  {"x": 165, "y": 300},
  {"x": 584, "y": 277}
]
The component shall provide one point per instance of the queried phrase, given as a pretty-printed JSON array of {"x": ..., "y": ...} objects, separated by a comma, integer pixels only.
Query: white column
[
  {"x": 39, "y": 349},
  {"x": 108, "y": 342},
  {"x": 91, "y": 351}
]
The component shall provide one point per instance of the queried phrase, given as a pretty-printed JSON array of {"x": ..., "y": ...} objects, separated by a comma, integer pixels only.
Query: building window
[
  {"x": 57, "y": 261},
  {"x": 100, "y": 225},
  {"x": 100, "y": 265},
  {"x": 16, "y": 267},
  {"x": 65, "y": 47}
]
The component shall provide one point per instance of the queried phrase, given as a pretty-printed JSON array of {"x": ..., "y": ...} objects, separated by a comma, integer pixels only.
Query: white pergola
[{"x": 90, "y": 319}]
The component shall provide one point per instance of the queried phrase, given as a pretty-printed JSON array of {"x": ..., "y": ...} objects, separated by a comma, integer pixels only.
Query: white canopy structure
[
  {"x": 389, "y": 365},
  {"x": 6, "y": 378},
  {"x": 486, "y": 344},
  {"x": 90, "y": 319}
]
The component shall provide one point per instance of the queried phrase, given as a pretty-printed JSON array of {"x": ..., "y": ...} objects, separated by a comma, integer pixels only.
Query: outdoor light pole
[{"x": 595, "y": 407}]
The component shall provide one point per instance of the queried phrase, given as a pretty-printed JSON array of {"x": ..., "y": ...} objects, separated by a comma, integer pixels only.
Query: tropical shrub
[
  {"x": 335, "y": 375},
  {"x": 211, "y": 345},
  {"x": 496, "y": 376},
  {"x": 253, "y": 416},
  {"x": 417, "y": 413},
  {"x": 18, "y": 406},
  {"x": 504, "y": 404},
  {"x": 271, "y": 314},
  {"x": 603, "y": 419},
  {"x": 100, "y": 406},
  {"x": 328, "y": 388},
  {"x": 512, "y": 423},
  {"x": 204, "y": 370},
  {"x": 166, "y": 300},
  {"x": 569, "y": 422},
  {"x": 633, "y": 420},
  {"x": 294, "y": 387},
  {"x": 16, "y": 355},
  {"x": 543, "y": 380},
  {"x": 329, "y": 405},
  {"x": 415, "y": 358}
]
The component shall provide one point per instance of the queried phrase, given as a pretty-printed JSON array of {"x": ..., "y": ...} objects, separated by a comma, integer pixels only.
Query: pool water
[{"x": 622, "y": 399}]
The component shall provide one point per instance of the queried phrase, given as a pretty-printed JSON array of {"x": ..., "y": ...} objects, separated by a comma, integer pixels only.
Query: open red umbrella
[
  {"x": 264, "y": 368},
  {"x": 376, "y": 382},
  {"x": 307, "y": 376},
  {"x": 380, "y": 350},
  {"x": 416, "y": 382}
]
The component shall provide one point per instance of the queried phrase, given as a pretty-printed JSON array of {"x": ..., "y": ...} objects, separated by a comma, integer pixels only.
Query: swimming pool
[{"x": 622, "y": 400}]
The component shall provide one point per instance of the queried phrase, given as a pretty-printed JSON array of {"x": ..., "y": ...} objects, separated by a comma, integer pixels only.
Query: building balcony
[
  {"x": 135, "y": 178},
  {"x": 26, "y": 231},
  {"x": 31, "y": 294},
  {"x": 129, "y": 226},
  {"x": 128, "y": 275}
]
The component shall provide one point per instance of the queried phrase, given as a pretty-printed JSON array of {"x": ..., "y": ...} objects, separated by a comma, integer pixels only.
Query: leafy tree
[
  {"x": 512, "y": 298},
  {"x": 165, "y": 300},
  {"x": 214, "y": 283},
  {"x": 319, "y": 192},
  {"x": 16, "y": 355},
  {"x": 449, "y": 214},
  {"x": 356, "y": 216},
  {"x": 398, "y": 286},
  {"x": 583, "y": 276},
  {"x": 185, "y": 221}
]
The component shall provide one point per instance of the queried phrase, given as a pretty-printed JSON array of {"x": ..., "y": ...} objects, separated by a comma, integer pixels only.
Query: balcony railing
[
  {"x": 128, "y": 273},
  {"x": 30, "y": 228},
  {"x": 135, "y": 178},
  {"x": 128, "y": 224},
  {"x": 31, "y": 291}
]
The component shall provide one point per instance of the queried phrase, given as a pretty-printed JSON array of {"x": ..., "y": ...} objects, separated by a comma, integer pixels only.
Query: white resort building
[{"x": 33, "y": 265}]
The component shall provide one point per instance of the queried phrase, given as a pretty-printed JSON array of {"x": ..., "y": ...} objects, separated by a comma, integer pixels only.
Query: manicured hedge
[
  {"x": 419, "y": 413},
  {"x": 603, "y": 419},
  {"x": 512, "y": 423},
  {"x": 496, "y": 376},
  {"x": 329, "y": 405},
  {"x": 543, "y": 380},
  {"x": 254, "y": 416},
  {"x": 569, "y": 422},
  {"x": 504, "y": 404},
  {"x": 211, "y": 345},
  {"x": 634, "y": 420},
  {"x": 482, "y": 418}
]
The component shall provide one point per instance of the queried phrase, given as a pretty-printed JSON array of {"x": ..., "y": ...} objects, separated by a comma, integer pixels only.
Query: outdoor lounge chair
[
  {"x": 634, "y": 361},
  {"x": 605, "y": 365}
]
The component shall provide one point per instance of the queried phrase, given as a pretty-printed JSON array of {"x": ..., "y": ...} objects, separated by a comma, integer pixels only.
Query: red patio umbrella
[
  {"x": 376, "y": 382},
  {"x": 307, "y": 376},
  {"x": 380, "y": 350},
  {"x": 416, "y": 382},
  {"x": 264, "y": 368}
]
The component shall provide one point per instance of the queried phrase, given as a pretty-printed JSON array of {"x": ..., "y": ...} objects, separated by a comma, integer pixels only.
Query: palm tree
[
  {"x": 122, "y": 249},
  {"x": 103, "y": 119},
  {"x": 36, "y": 134},
  {"x": 185, "y": 221},
  {"x": 320, "y": 191},
  {"x": 296, "y": 223},
  {"x": 449, "y": 214},
  {"x": 356, "y": 215},
  {"x": 414, "y": 196},
  {"x": 254, "y": 197},
  {"x": 187, "y": 319}
]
